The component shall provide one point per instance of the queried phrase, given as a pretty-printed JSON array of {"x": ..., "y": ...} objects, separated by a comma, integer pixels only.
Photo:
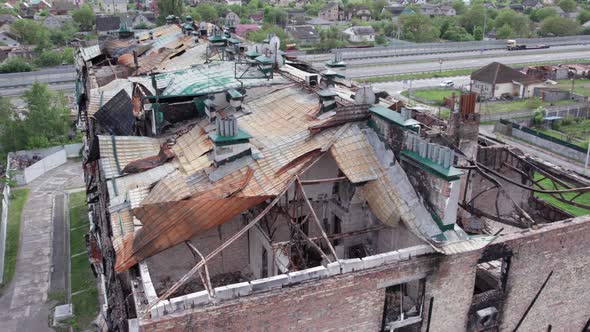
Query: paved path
[{"x": 23, "y": 308}]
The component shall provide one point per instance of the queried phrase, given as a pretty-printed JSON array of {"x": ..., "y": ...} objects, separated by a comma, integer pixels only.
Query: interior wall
[{"x": 171, "y": 264}]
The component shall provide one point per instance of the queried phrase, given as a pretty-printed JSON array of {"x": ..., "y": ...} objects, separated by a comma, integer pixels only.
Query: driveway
[{"x": 23, "y": 305}]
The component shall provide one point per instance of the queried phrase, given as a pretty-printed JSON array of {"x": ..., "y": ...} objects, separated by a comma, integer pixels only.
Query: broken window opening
[
  {"x": 264, "y": 268},
  {"x": 403, "y": 306},
  {"x": 488, "y": 291},
  {"x": 337, "y": 229}
]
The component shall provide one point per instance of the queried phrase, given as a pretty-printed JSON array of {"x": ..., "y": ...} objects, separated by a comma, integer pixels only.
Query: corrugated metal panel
[
  {"x": 116, "y": 115},
  {"x": 121, "y": 185},
  {"x": 90, "y": 52},
  {"x": 191, "y": 148},
  {"x": 101, "y": 96},
  {"x": 474, "y": 243},
  {"x": 355, "y": 157},
  {"x": 121, "y": 222},
  {"x": 170, "y": 223},
  {"x": 192, "y": 56},
  {"x": 127, "y": 148}
]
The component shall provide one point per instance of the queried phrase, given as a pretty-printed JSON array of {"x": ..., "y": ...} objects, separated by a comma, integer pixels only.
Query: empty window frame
[{"x": 404, "y": 303}]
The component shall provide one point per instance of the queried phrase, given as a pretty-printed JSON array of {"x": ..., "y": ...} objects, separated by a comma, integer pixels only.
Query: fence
[
  {"x": 550, "y": 143},
  {"x": 4, "y": 219},
  {"x": 428, "y": 48},
  {"x": 578, "y": 110},
  {"x": 51, "y": 158}
]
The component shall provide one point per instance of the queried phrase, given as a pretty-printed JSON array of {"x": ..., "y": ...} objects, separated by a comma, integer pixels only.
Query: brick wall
[
  {"x": 349, "y": 302},
  {"x": 562, "y": 248}
]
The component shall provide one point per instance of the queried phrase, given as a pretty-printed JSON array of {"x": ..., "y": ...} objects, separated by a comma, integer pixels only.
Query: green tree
[
  {"x": 459, "y": 7},
  {"x": 169, "y": 7},
  {"x": 380, "y": 40},
  {"x": 275, "y": 16},
  {"x": 205, "y": 12},
  {"x": 47, "y": 120},
  {"x": 472, "y": 18},
  {"x": 457, "y": 33},
  {"x": 518, "y": 22},
  {"x": 84, "y": 17},
  {"x": 478, "y": 33},
  {"x": 11, "y": 132},
  {"x": 418, "y": 28},
  {"x": 540, "y": 14},
  {"x": 505, "y": 32},
  {"x": 67, "y": 55},
  {"x": 568, "y": 6},
  {"x": 559, "y": 26},
  {"x": 48, "y": 59},
  {"x": 312, "y": 8},
  {"x": 376, "y": 7},
  {"x": 31, "y": 32},
  {"x": 584, "y": 16}
]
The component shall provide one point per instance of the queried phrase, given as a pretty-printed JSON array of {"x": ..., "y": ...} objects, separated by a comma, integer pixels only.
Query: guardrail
[
  {"x": 430, "y": 48},
  {"x": 4, "y": 218}
]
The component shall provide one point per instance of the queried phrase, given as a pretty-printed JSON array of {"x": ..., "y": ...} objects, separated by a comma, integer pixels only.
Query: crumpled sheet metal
[
  {"x": 170, "y": 223},
  {"x": 144, "y": 164},
  {"x": 355, "y": 157}
]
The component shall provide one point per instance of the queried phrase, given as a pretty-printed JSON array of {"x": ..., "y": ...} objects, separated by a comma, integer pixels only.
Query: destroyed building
[{"x": 232, "y": 190}]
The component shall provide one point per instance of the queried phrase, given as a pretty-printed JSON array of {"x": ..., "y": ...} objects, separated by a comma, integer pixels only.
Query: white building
[{"x": 360, "y": 34}]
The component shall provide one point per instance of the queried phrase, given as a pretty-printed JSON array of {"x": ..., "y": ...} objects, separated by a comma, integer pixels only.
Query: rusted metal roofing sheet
[
  {"x": 122, "y": 185},
  {"x": 160, "y": 31},
  {"x": 191, "y": 149},
  {"x": 170, "y": 223},
  {"x": 149, "y": 62},
  {"x": 354, "y": 156},
  {"x": 116, "y": 152},
  {"x": 121, "y": 222}
]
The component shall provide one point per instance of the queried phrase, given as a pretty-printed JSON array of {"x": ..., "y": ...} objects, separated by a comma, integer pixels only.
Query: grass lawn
[
  {"x": 85, "y": 303},
  {"x": 15, "y": 209},
  {"x": 517, "y": 105},
  {"x": 581, "y": 86},
  {"x": 576, "y": 211},
  {"x": 433, "y": 97}
]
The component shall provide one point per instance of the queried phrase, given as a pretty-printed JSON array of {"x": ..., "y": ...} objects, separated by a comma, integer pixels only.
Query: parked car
[{"x": 447, "y": 84}]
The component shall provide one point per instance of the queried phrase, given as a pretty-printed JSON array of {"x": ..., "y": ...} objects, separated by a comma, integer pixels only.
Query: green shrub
[
  {"x": 15, "y": 65},
  {"x": 49, "y": 59}
]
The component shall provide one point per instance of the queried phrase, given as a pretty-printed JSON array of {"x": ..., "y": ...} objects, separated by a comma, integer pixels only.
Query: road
[
  {"x": 23, "y": 305},
  {"x": 59, "y": 78},
  {"x": 320, "y": 59},
  {"x": 396, "y": 87},
  {"x": 508, "y": 58}
]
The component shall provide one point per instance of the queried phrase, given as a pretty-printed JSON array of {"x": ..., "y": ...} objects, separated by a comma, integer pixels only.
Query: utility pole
[{"x": 440, "y": 62}]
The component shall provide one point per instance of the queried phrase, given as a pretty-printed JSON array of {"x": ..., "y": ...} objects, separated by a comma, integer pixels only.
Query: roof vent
[
  {"x": 227, "y": 127},
  {"x": 210, "y": 110},
  {"x": 438, "y": 154}
]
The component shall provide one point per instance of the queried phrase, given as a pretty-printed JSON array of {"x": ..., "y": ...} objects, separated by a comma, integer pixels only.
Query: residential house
[
  {"x": 7, "y": 5},
  {"x": 396, "y": 10},
  {"x": 243, "y": 29},
  {"x": 113, "y": 6},
  {"x": 229, "y": 18},
  {"x": 534, "y": 4},
  {"x": 361, "y": 12},
  {"x": 548, "y": 72},
  {"x": 233, "y": 2},
  {"x": 7, "y": 18},
  {"x": 107, "y": 24},
  {"x": 303, "y": 34},
  {"x": 147, "y": 18},
  {"x": 319, "y": 22},
  {"x": 586, "y": 25},
  {"x": 295, "y": 16},
  {"x": 56, "y": 21},
  {"x": 360, "y": 34},
  {"x": 281, "y": 3},
  {"x": 257, "y": 17},
  {"x": 331, "y": 12},
  {"x": 412, "y": 2},
  {"x": 62, "y": 7},
  {"x": 437, "y": 10},
  {"x": 39, "y": 5},
  {"x": 517, "y": 7},
  {"x": 7, "y": 38},
  {"x": 559, "y": 11},
  {"x": 497, "y": 80}
]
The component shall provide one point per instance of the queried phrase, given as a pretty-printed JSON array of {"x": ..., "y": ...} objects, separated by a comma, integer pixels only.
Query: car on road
[{"x": 447, "y": 84}]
